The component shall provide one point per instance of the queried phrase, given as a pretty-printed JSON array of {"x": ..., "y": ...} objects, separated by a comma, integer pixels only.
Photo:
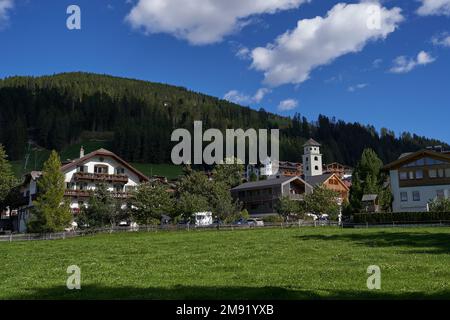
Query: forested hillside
[{"x": 54, "y": 111}]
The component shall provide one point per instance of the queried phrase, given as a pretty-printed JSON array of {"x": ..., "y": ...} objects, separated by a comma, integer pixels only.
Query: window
[
  {"x": 420, "y": 162},
  {"x": 440, "y": 194},
  {"x": 403, "y": 176},
  {"x": 118, "y": 187},
  {"x": 82, "y": 186},
  {"x": 440, "y": 173},
  {"x": 316, "y": 168},
  {"x": 432, "y": 173},
  {"x": 404, "y": 196},
  {"x": 307, "y": 159},
  {"x": 82, "y": 169},
  {"x": 120, "y": 171},
  {"x": 416, "y": 196},
  {"x": 411, "y": 175},
  {"x": 101, "y": 169},
  {"x": 447, "y": 173},
  {"x": 316, "y": 159},
  {"x": 419, "y": 174}
]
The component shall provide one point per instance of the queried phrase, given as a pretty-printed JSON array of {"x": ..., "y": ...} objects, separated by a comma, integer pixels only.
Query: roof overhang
[
  {"x": 416, "y": 156},
  {"x": 104, "y": 153}
]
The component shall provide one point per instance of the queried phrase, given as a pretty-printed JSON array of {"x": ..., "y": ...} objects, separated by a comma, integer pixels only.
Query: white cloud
[
  {"x": 315, "y": 42},
  {"x": 357, "y": 87},
  {"x": 243, "y": 53},
  {"x": 434, "y": 7},
  {"x": 377, "y": 63},
  {"x": 287, "y": 105},
  {"x": 242, "y": 98},
  {"x": 260, "y": 94},
  {"x": 442, "y": 40},
  {"x": 404, "y": 64},
  {"x": 202, "y": 21},
  {"x": 5, "y": 6}
]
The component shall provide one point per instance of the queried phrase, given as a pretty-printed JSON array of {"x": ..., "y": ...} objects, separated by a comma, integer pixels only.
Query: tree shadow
[
  {"x": 97, "y": 292},
  {"x": 430, "y": 243}
]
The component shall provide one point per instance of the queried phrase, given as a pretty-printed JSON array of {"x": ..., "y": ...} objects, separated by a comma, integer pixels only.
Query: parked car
[
  {"x": 255, "y": 222},
  {"x": 124, "y": 224},
  {"x": 240, "y": 222}
]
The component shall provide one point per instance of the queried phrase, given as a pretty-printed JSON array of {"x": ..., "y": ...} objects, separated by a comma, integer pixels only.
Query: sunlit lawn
[{"x": 297, "y": 263}]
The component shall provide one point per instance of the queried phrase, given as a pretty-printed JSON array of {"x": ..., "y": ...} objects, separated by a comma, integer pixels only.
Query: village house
[
  {"x": 260, "y": 197},
  {"x": 267, "y": 170},
  {"x": 81, "y": 176},
  {"x": 418, "y": 178},
  {"x": 315, "y": 176}
]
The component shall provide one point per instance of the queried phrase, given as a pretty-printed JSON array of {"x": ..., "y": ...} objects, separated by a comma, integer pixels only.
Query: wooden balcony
[
  {"x": 87, "y": 193},
  {"x": 299, "y": 197},
  {"x": 86, "y": 176}
]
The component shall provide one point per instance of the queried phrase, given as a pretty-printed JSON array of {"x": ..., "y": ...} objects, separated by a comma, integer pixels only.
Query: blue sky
[{"x": 394, "y": 75}]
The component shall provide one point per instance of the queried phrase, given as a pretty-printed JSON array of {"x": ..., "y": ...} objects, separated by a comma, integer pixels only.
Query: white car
[{"x": 254, "y": 222}]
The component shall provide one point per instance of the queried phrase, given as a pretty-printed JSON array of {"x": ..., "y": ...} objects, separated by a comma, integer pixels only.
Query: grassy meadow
[{"x": 297, "y": 263}]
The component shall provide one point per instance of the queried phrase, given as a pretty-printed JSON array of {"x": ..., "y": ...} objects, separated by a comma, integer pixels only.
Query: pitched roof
[
  {"x": 312, "y": 142},
  {"x": 267, "y": 183},
  {"x": 318, "y": 180},
  {"x": 406, "y": 158},
  {"x": 107, "y": 153}
]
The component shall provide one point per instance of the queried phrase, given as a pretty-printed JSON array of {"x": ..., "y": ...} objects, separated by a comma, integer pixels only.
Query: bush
[{"x": 385, "y": 217}]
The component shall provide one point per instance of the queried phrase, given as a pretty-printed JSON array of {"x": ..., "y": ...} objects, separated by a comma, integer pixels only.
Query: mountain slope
[{"x": 56, "y": 111}]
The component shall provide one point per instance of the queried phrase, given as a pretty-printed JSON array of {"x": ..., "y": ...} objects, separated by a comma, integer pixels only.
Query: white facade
[
  {"x": 83, "y": 175},
  {"x": 414, "y": 199},
  {"x": 312, "y": 161},
  {"x": 111, "y": 166}
]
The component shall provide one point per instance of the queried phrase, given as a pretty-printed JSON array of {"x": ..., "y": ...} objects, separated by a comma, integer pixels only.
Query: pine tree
[
  {"x": 368, "y": 178},
  {"x": 7, "y": 179},
  {"x": 51, "y": 213}
]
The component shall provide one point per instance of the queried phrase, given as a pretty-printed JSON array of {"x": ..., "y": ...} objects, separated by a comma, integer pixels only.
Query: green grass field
[{"x": 306, "y": 263}]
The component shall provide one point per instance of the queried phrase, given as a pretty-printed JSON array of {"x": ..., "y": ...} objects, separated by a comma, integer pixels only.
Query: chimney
[{"x": 81, "y": 152}]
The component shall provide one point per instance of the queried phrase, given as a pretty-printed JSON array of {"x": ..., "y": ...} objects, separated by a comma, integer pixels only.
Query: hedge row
[{"x": 385, "y": 217}]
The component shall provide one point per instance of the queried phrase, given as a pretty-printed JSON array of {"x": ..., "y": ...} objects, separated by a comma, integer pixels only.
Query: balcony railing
[
  {"x": 296, "y": 197},
  {"x": 101, "y": 177},
  {"x": 87, "y": 193}
]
